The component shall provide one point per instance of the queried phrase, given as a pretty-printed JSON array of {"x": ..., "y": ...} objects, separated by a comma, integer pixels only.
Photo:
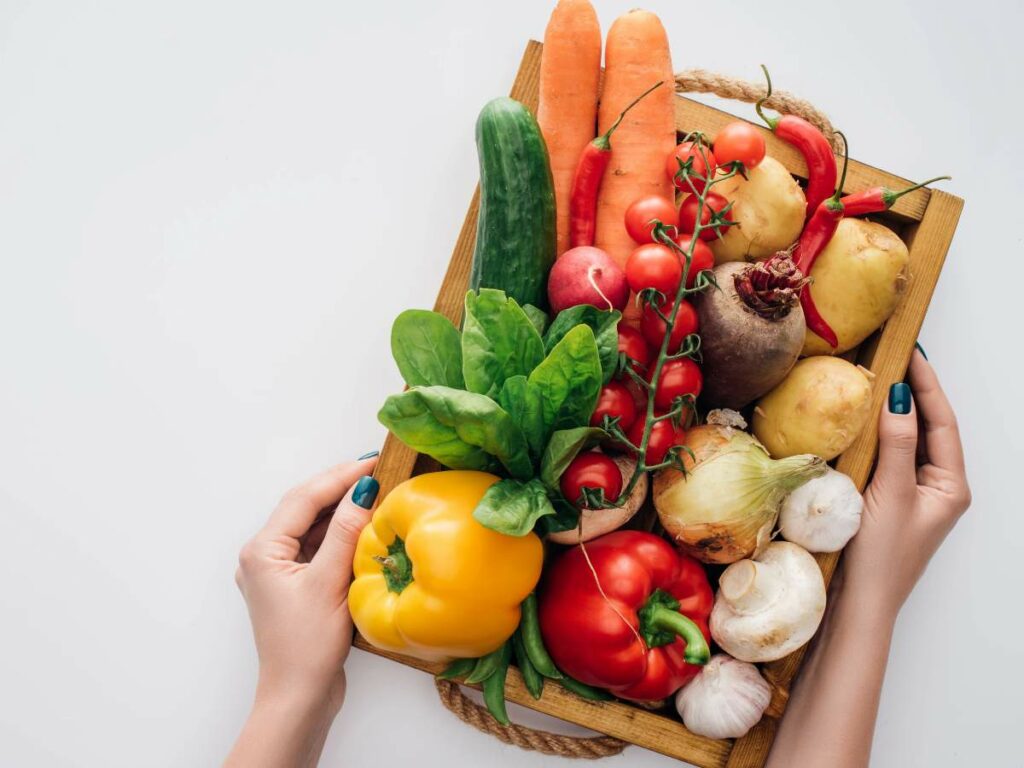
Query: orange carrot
[
  {"x": 570, "y": 73},
  {"x": 636, "y": 56}
]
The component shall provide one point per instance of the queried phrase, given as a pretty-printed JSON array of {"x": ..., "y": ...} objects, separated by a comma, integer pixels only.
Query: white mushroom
[
  {"x": 597, "y": 522},
  {"x": 769, "y": 606},
  {"x": 725, "y": 700},
  {"x": 824, "y": 514}
]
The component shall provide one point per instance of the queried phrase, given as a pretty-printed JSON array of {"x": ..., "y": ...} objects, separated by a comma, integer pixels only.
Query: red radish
[{"x": 587, "y": 275}]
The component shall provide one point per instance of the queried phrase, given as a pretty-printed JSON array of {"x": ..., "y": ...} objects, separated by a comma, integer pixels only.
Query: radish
[{"x": 587, "y": 275}]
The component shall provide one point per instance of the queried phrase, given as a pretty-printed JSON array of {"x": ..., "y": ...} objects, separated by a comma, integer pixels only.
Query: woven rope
[
  {"x": 702, "y": 81},
  {"x": 687, "y": 81},
  {"x": 525, "y": 738}
]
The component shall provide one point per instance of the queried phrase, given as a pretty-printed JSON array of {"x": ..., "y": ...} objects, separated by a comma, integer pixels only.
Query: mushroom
[
  {"x": 769, "y": 606},
  {"x": 597, "y": 522}
]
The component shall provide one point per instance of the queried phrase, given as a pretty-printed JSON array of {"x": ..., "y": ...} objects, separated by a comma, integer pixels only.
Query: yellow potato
[
  {"x": 858, "y": 280},
  {"x": 819, "y": 408},
  {"x": 769, "y": 209}
]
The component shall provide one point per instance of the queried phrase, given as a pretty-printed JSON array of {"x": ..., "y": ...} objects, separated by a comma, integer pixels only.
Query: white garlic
[
  {"x": 769, "y": 606},
  {"x": 725, "y": 700},
  {"x": 823, "y": 514}
]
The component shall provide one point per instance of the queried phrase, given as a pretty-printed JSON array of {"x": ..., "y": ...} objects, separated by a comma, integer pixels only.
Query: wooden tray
[{"x": 926, "y": 220}]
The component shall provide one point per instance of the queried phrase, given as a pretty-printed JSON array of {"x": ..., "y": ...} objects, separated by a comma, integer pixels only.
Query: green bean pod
[
  {"x": 494, "y": 685},
  {"x": 533, "y": 679},
  {"x": 529, "y": 626},
  {"x": 583, "y": 690}
]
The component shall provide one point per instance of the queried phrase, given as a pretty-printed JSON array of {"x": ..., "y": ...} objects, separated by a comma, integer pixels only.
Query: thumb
[
  {"x": 353, "y": 513},
  {"x": 897, "y": 443}
]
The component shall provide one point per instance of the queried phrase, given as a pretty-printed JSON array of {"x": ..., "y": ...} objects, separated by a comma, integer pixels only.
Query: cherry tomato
[
  {"x": 688, "y": 214},
  {"x": 641, "y": 214},
  {"x": 678, "y": 378},
  {"x": 614, "y": 400},
  {"x": 653, "y": 327},
  {"x": 701, "y": 259},
  {"x": 664, "y": 434},
  {"x": 741, "y": 141},
  {"x": 633, "y": 343},
  {"x": 591, "y": 470},
  {"x": 703, "y": 165},
  {"x": 639, "y": 395},
  {"x": 654, "y": 266}
]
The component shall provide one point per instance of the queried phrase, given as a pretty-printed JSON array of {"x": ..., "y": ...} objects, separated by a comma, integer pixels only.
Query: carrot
[
  {"x": 636, "y": 55},
  {"x": 570, "y": 74}
]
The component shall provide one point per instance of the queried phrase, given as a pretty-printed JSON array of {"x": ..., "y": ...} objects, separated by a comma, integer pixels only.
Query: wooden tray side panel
[{"x": 933, "y": 217}]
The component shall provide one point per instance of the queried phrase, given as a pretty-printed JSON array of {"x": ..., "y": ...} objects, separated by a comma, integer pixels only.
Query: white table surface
[{"x": 210, "y": 212}]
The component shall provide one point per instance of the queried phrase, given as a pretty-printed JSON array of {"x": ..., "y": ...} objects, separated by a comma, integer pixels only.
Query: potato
[
  {"x": 769, "y": 209},
  {"x": 819, "y": 408},
  {"x": 858, "y": 280}
]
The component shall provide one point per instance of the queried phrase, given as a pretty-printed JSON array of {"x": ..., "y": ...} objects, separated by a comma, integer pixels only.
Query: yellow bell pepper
[{"x": 433, "y": 583}]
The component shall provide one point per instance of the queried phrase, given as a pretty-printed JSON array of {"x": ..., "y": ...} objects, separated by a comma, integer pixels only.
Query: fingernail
[
  {"x": 369, "y": 455},
  {"x": 365, "y": 492},
  {"x": 921, "y": 349},
  {"x": 899, "y": 399}
]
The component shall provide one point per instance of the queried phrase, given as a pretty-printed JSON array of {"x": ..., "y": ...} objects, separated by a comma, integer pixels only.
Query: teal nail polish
[
  {"x": 365, "y": 492},
  {"x": 369, "y": 455},
  {"x": 899, "y": 399},
  {"x": 921, "y": 349}
]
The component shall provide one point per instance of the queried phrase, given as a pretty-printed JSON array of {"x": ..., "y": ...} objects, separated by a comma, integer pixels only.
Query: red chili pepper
[
  {"x": 878, "y": 199},
  {"x": 817, "y": 152},
  {"x": 815, "y": 237},
  {"x": 629, "y": 613},
  {"x": 587, "y": 182}
]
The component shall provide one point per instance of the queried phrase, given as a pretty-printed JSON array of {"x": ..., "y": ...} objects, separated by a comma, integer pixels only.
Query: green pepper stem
[
  {"x": 889, "y": 196},
  {"x": 604, "y": 141},
  {"x": 664, "y": 618}
]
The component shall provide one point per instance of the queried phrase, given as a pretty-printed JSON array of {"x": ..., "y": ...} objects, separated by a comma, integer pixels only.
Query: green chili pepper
[
  {"x": 529, "y": 626},
  {"x": 533, "y": 679}
]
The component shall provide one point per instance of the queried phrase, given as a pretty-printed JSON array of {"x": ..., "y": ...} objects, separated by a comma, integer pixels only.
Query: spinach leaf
[
  {"x": 605, "y": 325},
  {"x": 498, "y": 341},
  {"x": 462, "y": 430},
  {"x": 537, "y": 316},
  {"x": 521, "y": 400},
  {"x": 566, "y": 518},
  {"x": 569, "y": 381},
  {"x": 428, "y": 349},
  {"x": 563, "y": 447},
  {"x": 513, "y": 507}
]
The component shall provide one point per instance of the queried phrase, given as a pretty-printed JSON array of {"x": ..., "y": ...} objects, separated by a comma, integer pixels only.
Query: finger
[
  {"x": 334, "y": 558},
  {"x": 299, "y": 508},
  {"x": 897, "y": 443},
  {"x": 941, "y": 434}
]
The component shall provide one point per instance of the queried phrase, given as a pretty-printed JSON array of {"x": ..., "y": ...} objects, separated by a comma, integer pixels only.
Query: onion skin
[{"x": 725, "y": 507}]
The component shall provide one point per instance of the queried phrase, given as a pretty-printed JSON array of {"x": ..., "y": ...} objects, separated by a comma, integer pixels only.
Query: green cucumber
[{"x": 515, "y": 231}]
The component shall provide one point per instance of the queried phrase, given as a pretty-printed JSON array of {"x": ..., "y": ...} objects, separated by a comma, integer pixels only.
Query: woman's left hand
[{"x": 294, "y": 575}]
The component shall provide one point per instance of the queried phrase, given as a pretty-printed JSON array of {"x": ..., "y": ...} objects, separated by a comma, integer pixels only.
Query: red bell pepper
[{"x": 640, "y": 627}]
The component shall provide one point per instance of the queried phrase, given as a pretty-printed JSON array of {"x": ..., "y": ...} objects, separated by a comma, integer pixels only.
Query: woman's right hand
[{"x": 918, "y": 492}]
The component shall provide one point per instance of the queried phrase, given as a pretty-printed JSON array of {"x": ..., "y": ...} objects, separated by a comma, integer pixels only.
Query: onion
[{"x": 726, "y": 505}]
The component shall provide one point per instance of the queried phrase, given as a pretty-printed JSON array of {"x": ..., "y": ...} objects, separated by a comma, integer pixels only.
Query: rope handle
[
  {"x": 702, "y": 81},
  {"x": 545, "y": 742}
]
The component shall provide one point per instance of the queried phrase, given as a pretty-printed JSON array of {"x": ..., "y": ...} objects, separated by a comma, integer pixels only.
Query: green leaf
[
  {"x": 563, "y": 447},
  {"x": 521, "y": 400},
  {"x": 462, "y": 430},
  {"x": 537, "y": 316},
  {"x": 513, "y": 507},
  {"x": 566, "y": 518},
  {"x": 569, "y": 381},
  {"x": 428, "y": 349},
  {"x": 498, "y": 341},
  {"x": 605, "y": 325}
]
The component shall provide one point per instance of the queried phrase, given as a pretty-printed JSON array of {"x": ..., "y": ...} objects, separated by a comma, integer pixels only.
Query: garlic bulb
[
  {"x": 824, "y": 514},
  {"x": 727, "y": 504},
  {"x": 769, "y": 606},
  {"x": 725, "y": 700}
]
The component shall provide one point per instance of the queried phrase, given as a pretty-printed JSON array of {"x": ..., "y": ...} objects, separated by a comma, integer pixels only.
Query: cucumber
[{"x": 515, "y": 231}]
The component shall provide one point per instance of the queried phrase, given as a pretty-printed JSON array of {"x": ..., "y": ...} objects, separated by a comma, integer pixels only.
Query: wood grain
[{"x": 930, "y": 221}]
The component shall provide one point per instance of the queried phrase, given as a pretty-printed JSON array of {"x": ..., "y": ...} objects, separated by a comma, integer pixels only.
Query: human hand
[
  {"x": 917, "y": 494},
  {"x": 294, "y": 575}
]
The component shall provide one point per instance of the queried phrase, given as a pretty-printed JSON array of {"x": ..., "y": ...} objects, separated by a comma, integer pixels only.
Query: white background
[{"x": 210, "y": 212}]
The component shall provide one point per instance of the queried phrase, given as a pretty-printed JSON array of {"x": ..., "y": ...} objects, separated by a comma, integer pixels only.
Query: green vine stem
[{"x": 691, "y": 346}]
